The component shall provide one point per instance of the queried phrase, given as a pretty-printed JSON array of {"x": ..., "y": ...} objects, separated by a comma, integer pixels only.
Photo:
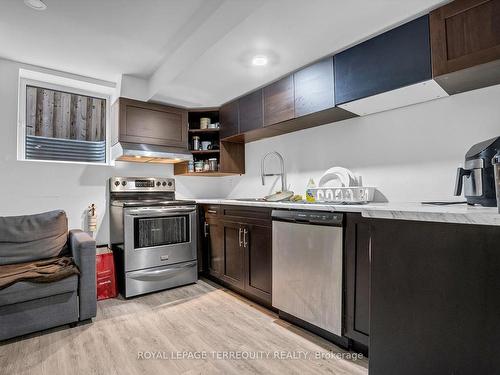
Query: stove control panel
[{"x": 124, "y": 184}]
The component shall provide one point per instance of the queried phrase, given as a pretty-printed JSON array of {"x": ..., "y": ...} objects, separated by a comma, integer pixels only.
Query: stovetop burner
[{"x": 144, "y": 192}]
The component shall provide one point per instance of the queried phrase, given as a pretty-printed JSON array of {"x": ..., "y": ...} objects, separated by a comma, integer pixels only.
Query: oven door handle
[
  {"x": 160, "y": 211},
  {"x": 164, "y": 273}
]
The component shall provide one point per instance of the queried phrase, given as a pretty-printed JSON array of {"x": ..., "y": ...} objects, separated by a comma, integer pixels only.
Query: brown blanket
[{"x": 40, "y": 271}]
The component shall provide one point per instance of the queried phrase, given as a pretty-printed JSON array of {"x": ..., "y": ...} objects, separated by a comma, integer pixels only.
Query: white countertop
[{"x": 462, "y": 213}]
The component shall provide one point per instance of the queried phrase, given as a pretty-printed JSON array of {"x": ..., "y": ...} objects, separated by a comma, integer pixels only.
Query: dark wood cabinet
[
  {"x": 229, "y": 119},
  {"x": 232, "y": 158},
  {"x": 213, "y": 246},
  {"x": 357, "y": 278},
  {"x": 233, "y": 269},
  {"x": 150, "y": 123},
  {"x": 258, "y": 245},
  {"x": 314, "y": 88},
  {"x": 279, "y": 101},
  {"x": 251, "y": 111},
  {"x": 465, "y": 40},
  {"x": 243, "y": 258},
  {"x": 394, "y": 59},
  {"x": 434, "y": 298}
]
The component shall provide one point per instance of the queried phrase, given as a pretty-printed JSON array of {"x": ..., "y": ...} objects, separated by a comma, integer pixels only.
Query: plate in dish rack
[{"x": 348, "y": 195}]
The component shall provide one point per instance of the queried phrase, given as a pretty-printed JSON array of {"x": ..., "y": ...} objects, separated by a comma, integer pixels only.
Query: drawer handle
[
  {"x": 239, "y": 237},
  {"x": 212, "y": 212},
  {"x": 164, "y": 257}
]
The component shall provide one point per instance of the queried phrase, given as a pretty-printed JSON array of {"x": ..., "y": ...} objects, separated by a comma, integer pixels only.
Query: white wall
[
  {"x": 30, "y": 187},
  {"x": 410, "y": 154}
]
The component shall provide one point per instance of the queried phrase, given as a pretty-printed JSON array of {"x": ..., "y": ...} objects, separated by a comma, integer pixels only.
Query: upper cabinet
[
  {"x": 229, "y": 119},
  {"x": 465, "y": 40},
  {"x": 279, "y": 101},
  {"x": 150, "y": 123},
  {"x": 390, "y": 70},
  {"x": 314, "y": 88},
  {"x": 251, "y": 111}
]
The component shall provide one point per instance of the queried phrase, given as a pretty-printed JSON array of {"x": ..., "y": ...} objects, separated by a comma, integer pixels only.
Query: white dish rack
[
  {"x": 343, "y": 195},
  {"x": 347, "y": 193}
]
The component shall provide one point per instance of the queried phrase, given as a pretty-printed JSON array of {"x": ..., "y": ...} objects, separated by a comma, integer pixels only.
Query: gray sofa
[{"x": 27, "y": 307}]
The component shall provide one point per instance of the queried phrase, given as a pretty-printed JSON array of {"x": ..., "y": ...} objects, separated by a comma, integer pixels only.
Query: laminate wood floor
[{"x": 200, "y": 319}]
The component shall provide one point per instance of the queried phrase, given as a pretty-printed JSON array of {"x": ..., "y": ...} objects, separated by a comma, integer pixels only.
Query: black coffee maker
[{"x": 477, "y": 178}]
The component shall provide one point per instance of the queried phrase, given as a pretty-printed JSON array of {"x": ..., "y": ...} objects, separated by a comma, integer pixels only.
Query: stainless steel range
[{"x": 153, "y": 236}]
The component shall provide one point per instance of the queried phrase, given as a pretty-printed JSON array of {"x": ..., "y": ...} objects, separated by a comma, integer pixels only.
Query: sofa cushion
[
  {"x": 27, "y": 291},
  {"x": 33, "y": 237}
]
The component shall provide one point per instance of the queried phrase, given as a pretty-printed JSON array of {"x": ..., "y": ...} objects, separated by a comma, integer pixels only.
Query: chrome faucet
[{"x": 263, "y": 175}]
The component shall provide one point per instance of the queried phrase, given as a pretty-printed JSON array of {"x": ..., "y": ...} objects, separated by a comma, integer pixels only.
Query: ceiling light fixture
[
  {"x": 35, "y": 4},
  {"x": 259, "y": 60}
]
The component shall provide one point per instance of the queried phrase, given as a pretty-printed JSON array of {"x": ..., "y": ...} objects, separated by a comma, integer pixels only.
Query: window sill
[{"x": 110, "y": 164}]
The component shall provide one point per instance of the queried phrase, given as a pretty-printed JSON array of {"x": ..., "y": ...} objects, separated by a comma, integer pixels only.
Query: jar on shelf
[
  {"x": 206, "y": 166},
  {"x": 191, "y": 166},
  {"x": 198, "y": 166},
  {"x": 213, "y": 164},
  {"x": 196, "y": 143}
]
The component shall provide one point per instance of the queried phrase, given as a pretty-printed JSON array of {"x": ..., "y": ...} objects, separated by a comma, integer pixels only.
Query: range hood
[{"x": 144, "y": 153}]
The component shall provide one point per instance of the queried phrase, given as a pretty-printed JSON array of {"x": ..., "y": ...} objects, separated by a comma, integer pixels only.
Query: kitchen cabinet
[
  {"x": 465, "y": 41},
  {"x": 251, "y": 112},
  {"x": 149, "y": 123},
  {"x": 213, "y": 245},
  {"x": 258, "y": 244},
  {"x": 434, "y": 298},
  {"x": 229, "y": 119},
  {"x": 279, "y": 101},
  {"x": 233, "y": 254},
  {"x": 314, "y": 88},
  {"x": 230, "y": 155},
  {"x": 388, "y": 71},
  {"x": 394, "y": 59},
  {"x": 243, "y": 259},
  {"x": 357, "y": 278}
]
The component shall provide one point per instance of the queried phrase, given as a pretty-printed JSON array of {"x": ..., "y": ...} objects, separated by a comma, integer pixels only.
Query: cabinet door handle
[
  {"x": 245, "y": 237},
  {"x": 239, "y": 237},
  {"x": 206, "y": 229}
]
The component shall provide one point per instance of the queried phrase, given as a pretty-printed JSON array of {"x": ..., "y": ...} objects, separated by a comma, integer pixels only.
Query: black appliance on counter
[{"x": 477, "y": 178}]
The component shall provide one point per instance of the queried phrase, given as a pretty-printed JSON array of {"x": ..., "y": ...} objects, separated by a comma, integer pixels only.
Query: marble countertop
[{"x": 462, "y": 213}]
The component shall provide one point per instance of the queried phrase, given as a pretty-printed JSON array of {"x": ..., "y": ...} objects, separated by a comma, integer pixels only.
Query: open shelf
[
  {"x": 203, "y": 152},
  {"x": 203, "y": 131},
  {"x": 205, "y": 174},
  {"x": 230, "y": 156}
]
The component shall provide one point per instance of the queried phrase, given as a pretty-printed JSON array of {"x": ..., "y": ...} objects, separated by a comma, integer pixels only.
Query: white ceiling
[{"x": 191, "y": 52}]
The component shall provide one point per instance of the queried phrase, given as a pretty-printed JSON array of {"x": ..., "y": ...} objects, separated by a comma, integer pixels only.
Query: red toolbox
[{"x": 105, "y": 273}]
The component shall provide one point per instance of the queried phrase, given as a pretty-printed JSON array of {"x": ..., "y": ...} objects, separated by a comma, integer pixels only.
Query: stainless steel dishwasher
[{"x": 307, "y": 267}]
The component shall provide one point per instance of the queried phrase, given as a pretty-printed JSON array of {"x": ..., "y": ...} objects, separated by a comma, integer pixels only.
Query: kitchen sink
[{"x": 250, "y": 200}]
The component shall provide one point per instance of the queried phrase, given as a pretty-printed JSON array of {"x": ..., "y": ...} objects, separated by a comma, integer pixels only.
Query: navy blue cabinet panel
[{"x": 397, "y": 58}]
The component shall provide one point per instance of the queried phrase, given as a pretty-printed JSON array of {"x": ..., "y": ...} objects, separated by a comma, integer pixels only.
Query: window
[{"x": 60, "y": 123}]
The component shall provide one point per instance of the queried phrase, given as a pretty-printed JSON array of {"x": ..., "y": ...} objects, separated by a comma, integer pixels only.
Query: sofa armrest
[{"x": 83, "y": 250}]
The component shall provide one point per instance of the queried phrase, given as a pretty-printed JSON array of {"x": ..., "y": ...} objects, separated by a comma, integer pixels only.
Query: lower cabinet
[
  {"x": 233, "y": 250},
  {"x": 238, "y": 252},
  {"x": 258, "y": 280},
  {"x": 357, "y": 255},
  {"x": 212, "y": 249},
  {"x": 435, "y": 298}
]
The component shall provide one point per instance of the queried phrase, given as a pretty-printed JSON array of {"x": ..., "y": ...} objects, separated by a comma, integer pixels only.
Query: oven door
[{"x": 159, "y": 236}]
